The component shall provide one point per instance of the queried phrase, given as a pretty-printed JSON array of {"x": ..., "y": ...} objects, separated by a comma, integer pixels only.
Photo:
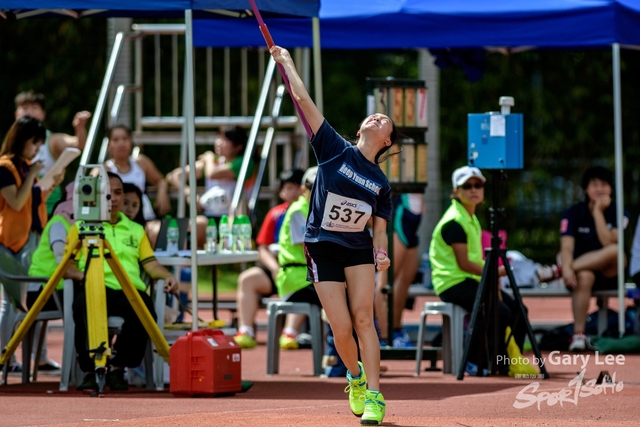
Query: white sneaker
[
  {"x": 548, "y": 273},
  {"x": 401, "y": 340},
  {"x": 578, "y": 342}
]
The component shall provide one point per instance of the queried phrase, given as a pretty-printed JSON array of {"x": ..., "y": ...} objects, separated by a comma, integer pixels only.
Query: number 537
[{"x": 347, "y": 214}]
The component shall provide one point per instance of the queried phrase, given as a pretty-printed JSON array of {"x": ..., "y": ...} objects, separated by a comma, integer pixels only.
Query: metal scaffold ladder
[{"x": 277, "y": 137}]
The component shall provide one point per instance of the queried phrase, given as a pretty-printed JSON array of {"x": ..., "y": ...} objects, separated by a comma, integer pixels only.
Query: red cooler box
[{"x": 205, "y": 362}]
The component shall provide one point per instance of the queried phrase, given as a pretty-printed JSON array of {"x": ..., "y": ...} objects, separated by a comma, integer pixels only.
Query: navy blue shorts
[
  {"x": 307, "y": 294},
  {"x": 274, "y": 289},
  {"x": 604, "y": 283},
  {"x": 326, "y": 261}
]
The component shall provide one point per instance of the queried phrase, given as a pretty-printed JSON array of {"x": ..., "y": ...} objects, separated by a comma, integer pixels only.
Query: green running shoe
[
  {"x": 245, "y": 341},
  {"x": 356, "y": 389},
  {"x": 374, "y": 408},
  {"x": 288, "y": 342}
]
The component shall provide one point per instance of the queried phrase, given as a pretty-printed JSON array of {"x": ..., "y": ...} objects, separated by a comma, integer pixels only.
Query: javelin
[{"x": 267, "y": 38}]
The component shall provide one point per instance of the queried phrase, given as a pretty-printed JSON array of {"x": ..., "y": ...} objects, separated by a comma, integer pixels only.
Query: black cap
[{"x": 293, "y": 176}]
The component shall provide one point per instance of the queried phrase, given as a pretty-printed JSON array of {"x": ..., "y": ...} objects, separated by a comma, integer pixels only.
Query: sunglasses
[{"x": 477, "y": 186}]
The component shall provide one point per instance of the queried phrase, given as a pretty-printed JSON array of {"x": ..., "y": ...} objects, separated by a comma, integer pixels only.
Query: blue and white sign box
[{"x": 495, "y": 141}]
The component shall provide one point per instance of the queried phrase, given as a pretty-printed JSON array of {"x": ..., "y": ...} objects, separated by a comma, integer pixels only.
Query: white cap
[
  {"x": 463, "y": 174},
  {"x": 216, "y": 200},
  {"x": 309, "y": 176}
]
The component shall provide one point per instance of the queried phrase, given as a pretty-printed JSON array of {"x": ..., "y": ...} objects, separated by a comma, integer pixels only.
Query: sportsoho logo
[{"x": 577, "y": 388}]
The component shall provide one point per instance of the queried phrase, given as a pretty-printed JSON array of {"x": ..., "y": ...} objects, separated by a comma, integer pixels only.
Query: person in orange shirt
[
  {"x": 23, "y": 212},
  {"x": 31, "y": 103}
]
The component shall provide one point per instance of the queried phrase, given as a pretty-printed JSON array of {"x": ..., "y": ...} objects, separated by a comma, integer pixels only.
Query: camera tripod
[
  {"x": 488, "y": 299},
  {"x": 95, "y": 249}
]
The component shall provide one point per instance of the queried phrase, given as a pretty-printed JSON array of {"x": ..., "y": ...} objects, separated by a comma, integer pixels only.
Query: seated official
[
  {"x": 457, "y": 265},
  {"x": 131, "y": 245},
  {"x": 46, "y": 259},
  {"x": 291, "y": 279},
  {"x": 259, "y": 281},
  {"x": 589, "y": 247}
]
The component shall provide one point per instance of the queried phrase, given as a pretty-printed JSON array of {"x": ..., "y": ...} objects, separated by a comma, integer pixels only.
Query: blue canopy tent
[
  {"x": 174, "y": 8},
  {"x": 164, "y": 8},
  {"x": 400, "y": 24}
]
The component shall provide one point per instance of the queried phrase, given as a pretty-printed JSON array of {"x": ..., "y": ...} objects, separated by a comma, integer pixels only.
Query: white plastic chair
[
  {"x": 452, "y": 334},
  {"x": 276, "y": 310},
  {"x": 15, "y": 280}
]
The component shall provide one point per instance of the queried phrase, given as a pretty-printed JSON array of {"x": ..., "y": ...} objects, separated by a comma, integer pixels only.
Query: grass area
[{"x": 227, "y": 279}]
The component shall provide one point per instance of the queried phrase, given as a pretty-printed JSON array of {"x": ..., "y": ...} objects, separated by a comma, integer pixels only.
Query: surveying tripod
[
  {"x": 487, "y": 299},
  {"x": 96, "y": 249}
]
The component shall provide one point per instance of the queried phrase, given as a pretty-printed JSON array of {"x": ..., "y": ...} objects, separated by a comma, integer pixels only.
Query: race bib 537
[{"x": 345, "y": 214}]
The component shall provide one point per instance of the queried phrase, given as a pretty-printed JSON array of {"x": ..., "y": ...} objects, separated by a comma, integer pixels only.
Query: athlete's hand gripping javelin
[{"x": 298, "y": 90}]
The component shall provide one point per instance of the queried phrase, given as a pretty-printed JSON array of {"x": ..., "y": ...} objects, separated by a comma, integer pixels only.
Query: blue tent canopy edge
[
  {"x": 165, "y": 8},
  {"x": 403, "y": 24}
]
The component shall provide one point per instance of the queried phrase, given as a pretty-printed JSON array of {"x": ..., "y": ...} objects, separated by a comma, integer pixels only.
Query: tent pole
[
  {"x": 183, "y": 148},
  {"x": 191, "y": 142},
  {"x": 617, "y": 126}
]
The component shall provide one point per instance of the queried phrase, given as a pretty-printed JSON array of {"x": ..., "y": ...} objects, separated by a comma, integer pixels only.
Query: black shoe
[
  {"x": 116, "y": 380},
  {"x": 50, "y": 367},
  {"x": 304, "y": 340},
  {"x": 88, "y": 382},
  {"x": 14, "y": 369}
]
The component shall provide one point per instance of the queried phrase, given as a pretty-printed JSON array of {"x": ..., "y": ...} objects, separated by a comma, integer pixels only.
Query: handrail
[
  {"x": 118, "y": 100},
  {"x": 162, "y": 29},
  {"x": 266, "y": 147},
  {"x": 253, "y": 134},
  {"x": 208, "y": 139},
  {"x": 183, "y": 152},
  {"x": 102, "y": 98},
  {"x": 102, "y": 155},
  {"x": 165, "y": 122},
  {"x": 160, "y": 123}
]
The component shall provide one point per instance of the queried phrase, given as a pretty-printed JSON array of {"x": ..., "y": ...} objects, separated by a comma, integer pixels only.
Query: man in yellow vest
[
  {"x": 46, "y": 259},
  {"x": 131, "y": 244}
]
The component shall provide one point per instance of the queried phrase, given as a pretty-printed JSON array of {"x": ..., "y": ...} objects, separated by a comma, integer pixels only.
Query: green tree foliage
[
  {"x": 60, "y": 57},
  {"x": 344, "y": 75}
]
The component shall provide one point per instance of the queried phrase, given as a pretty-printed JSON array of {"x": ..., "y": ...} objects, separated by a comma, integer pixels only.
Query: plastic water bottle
[
  {"x": 425, "y": 266},
  {"x": 245, "y": 233},
  {"x": 226, "y": 244},
  {"x": 236, "y": 236},
  {"x": 211, "y": 244},
  {"x": 172, "y": 237}
]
